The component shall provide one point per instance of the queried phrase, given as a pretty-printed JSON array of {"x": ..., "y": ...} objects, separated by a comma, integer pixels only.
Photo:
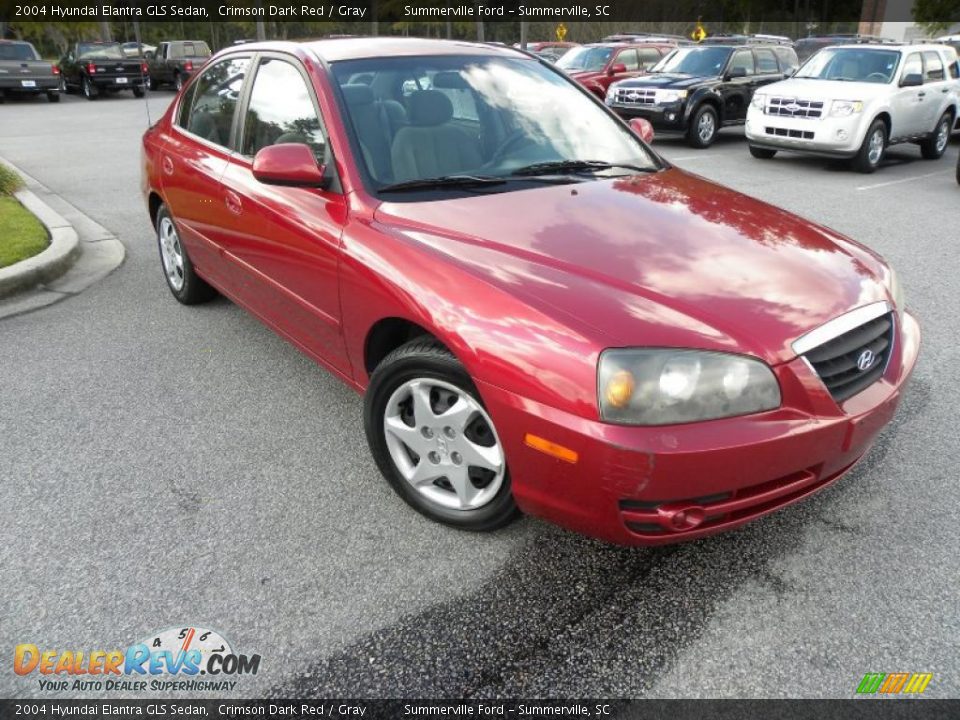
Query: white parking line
[
  {"x": 686, "y": 157},
  {"x": 903, "y": 180}
]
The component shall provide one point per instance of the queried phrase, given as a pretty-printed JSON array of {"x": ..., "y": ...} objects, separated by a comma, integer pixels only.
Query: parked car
[
  {"x": 698, "y": 90},
  {"x": 756, "y": 39},
  {"x": 854, "y": 102},
  {"x": 135, "y": 49},
  {"x": 597, "y": 65},
  {"x": 24, "y": 72},
  {"x": 540, "y": 312},
  {"x": 95, "y": 68},
  {"x": 175, "y": 61},
  {"x": 807, "y": 46}
]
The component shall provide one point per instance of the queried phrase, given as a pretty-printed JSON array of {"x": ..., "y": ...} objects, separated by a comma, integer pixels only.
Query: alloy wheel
[
  {"x": 706, "y": 127},
  {"x": 876, "y": 147},
  {"x": 171, "y": 253},
  {"x": 443, "y": 444},
  {"x": 943, "y": 134}
]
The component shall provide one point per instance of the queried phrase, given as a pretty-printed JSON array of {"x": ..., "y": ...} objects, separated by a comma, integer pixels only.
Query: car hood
[
  {"x": 826, "y": 89},
  {"x": 666, "y": 259},
  {"x": 584, "y": 75},
  {"x": 667, "y": 80}
]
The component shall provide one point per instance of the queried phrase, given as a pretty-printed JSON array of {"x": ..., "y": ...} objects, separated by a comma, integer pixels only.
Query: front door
[{"x": 909, "y": 103}]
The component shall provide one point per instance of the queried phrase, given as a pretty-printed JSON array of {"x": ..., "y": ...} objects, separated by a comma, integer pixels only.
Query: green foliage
[
  {"x": 21, "y": 234},
  {"x": 936, "y": 15},
  {"x": 9, "y": 181}
]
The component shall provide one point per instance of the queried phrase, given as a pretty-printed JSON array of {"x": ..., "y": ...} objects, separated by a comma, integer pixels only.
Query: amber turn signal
[
  {"x": 551, "y": 448},
  {"x": 619, "y": 389}
]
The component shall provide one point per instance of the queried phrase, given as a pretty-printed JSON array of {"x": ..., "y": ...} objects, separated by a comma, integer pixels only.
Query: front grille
[
  {"x": 838, "y": 362},
  {"x": 784, "y": 132},
  {"x": 794, "y": 108},
  {"x": 636, "y": 96}
]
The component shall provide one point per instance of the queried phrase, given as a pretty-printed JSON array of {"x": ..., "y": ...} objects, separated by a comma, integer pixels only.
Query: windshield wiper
[
  {"x": 444, "y": 181},
  {"x": 576, "y": 166}
]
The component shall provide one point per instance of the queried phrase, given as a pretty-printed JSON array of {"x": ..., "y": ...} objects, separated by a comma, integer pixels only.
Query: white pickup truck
[{"x": 854, "y": 101}]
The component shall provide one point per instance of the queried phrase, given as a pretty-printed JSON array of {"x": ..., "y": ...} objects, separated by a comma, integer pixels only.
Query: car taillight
[
  {"x": 55, "y": 69},
  {"x": 188, "y": 66},
  {"x": 91, "y": 68},
  {"x": 143, "y": 68}
]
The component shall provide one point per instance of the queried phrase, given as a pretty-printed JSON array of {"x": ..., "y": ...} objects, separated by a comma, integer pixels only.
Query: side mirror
[
  {"x": 911, "y": 80},
  {"x": 149, "y": 55},
  {"x": 290, "y": 164},
  {"x": 617, "y": 69},
  {"x": 643, "y": 128},
  {"x": 737, "y": 72}
]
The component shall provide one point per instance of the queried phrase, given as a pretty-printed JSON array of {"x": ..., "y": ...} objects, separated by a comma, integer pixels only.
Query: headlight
[
  {"x": 611, "y": 94},
  {"x": 758, "y": 101},
  {"x": 845, "y": 108},
  {"x": 666, "y": 386},
  {"x": 896, "y": 292},
  {"x": 667, "y": 96}
]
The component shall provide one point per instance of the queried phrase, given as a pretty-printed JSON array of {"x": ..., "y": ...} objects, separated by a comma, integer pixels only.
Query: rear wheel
[
  {"x": 178, "y": 81},
  {"x": 434, "y": 441},
  {"x": 53, "y": 96},
  {"x": 151, "y": 83},
  {"x": 64, "y": 89},
  {"x": 874, "y": 146},
  {"x": 703, "y": 127},
  {"x": 138, "y": 92},
  {"x": 183, "y": 281},
  {"x": 762, "y": 153},
  {"x": 933, "y": 147},
  {"x": 90, "y": 91}
]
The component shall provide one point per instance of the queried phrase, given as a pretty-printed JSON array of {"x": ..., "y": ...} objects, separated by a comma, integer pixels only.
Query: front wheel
[
  {"x": 703, "y": 127},
  {"x": 63, "y": 85},
  {"x": 873, "y": 148},
  {"x": 934, "y": 146},
  {"x": 434, "y": 441},
  {"x": 762, "y": 153},
  {"x": 183, "y": 281}
]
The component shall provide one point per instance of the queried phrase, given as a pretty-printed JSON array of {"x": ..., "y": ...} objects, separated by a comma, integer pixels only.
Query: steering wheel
[
  {"x": 879, "y": 75},
  {"x": 517, "y": 138}
]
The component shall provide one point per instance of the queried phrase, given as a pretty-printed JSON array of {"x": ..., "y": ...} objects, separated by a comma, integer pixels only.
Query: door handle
[{"x": 233, "y": 202}]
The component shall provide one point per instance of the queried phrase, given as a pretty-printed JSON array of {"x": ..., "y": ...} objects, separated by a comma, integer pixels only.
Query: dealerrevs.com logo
[{"x": 184, "y": 658}]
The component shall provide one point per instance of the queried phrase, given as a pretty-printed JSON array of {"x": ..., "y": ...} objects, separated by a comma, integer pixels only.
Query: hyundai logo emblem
[{"x": 865, "y": 361}]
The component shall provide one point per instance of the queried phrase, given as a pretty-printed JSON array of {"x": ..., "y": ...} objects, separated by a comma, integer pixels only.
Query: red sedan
[
  {"x": 542, "y": 313},
  {"x": 599, "y": 65}
]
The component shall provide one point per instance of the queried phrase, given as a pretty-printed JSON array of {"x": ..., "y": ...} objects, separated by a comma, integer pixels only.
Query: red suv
[
  {"x": 541, "y": 313},
  {"x": 598, "y": 65}
]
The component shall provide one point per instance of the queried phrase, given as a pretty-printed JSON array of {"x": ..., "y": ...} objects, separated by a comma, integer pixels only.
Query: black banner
[{"x": 342, "y": 709}]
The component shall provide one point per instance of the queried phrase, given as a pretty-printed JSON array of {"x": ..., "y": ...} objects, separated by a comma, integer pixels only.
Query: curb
[{"x": 46, "y": 266}]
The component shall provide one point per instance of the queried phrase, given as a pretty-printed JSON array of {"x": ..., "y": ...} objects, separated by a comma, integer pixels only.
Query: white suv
[{"x": 855, "y": 100}]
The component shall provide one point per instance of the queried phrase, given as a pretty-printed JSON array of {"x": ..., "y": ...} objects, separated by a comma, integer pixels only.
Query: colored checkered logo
[{"x": 894, "y": 683}]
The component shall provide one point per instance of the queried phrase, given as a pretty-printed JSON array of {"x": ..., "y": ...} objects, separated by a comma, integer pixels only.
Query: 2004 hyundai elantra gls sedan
[{"x": 542, "y": 313}]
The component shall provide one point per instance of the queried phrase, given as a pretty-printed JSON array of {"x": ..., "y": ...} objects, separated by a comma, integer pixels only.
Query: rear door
[
  {"x": 194, "y": 160},
  {"x": 283, "y": 243}
]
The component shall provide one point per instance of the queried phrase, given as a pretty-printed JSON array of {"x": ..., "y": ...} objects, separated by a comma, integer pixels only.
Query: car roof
[
  {"x": 333, "y": 50},
  {"x": 903, "y": 47}
]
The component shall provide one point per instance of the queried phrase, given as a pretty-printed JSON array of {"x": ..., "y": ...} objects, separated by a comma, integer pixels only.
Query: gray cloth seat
[
  {"x": 430, "y": 146},
  {"x": 374, "y": 123}
]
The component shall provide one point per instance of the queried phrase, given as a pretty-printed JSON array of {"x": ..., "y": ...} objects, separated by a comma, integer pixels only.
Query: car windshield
[
  {"x": 695, "y": 61},
  {"x": 100, "y": 50},
  {"x": 851, "y": 65},
  {"x": 423, "y": 118},
  {"x": 17, "y": 51},
  {"x": 585, "y": 58}
]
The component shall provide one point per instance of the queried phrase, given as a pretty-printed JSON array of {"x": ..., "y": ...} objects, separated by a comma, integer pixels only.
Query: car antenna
[{"x": 143, "y": 80}]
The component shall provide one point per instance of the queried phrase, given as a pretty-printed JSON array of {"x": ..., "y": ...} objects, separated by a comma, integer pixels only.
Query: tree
[{"x": 936, "y": 15}]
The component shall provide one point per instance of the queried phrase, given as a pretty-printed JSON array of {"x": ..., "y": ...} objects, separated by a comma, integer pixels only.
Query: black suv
[{"x": 698, "y": 90}]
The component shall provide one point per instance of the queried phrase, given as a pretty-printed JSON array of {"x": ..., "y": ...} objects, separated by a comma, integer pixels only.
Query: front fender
[{"x": 697, "y": 98}]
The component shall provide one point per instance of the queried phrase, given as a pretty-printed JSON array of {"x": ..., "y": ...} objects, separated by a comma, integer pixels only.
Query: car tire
[
  {"x": 64, "y": 88},
  {"x": 90, "y": 91},
  {"x": 53, "y": 96},
  {"x": 762, "y": 153},
  {"x": 183, "y": 281},
  {"x": 703, "y": 127},
  {"x": 178, "y": 82},
  {"x": 934, "y": 146},
  {"x": 413, "y": 459},
  {"x": 152, "y": 85},
  {"x": 872, "y": 150},
  {"x": 958, "y": 171},
  {"x": 138, "y": 92}
]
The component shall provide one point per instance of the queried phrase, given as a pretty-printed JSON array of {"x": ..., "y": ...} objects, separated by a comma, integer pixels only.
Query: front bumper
[
  {"x": 828, "y": 136},
  {"x": 669, "y": 117},
  {"x": 630, "y": 484}
]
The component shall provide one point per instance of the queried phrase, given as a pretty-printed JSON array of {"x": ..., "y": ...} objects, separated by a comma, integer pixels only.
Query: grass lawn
[{"x": 21, "y": 234}]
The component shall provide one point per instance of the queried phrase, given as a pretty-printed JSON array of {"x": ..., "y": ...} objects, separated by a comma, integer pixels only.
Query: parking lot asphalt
[{"x": 164, "y": 466}]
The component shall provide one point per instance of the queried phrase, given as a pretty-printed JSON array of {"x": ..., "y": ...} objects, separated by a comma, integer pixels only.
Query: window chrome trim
[{"x": 833, "y": 329}]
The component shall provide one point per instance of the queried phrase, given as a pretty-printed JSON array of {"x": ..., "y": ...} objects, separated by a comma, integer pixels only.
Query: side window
[
  {"x": 162, "y": 51},
  {"x": 281, "y": 110},
  {"x": 766, "y": 62},
  {"x": 628, "y": 58},
  {"x": 933, "y": 67},
  {"x": 742, "y": 59},
  {"x": 183, "y": 112},
  {"x": 648, "y": 57},
  {"x": 912, "y": 65},
  {"x": 788, "y": 59},
  {"x": 213, "y": 100}
]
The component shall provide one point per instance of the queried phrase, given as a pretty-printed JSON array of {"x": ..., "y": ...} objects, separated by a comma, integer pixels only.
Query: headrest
[
  {"x": 430, "y": 107},
  {"x": 357, "y": 94},
  {"x": 450, "y": 80}
]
